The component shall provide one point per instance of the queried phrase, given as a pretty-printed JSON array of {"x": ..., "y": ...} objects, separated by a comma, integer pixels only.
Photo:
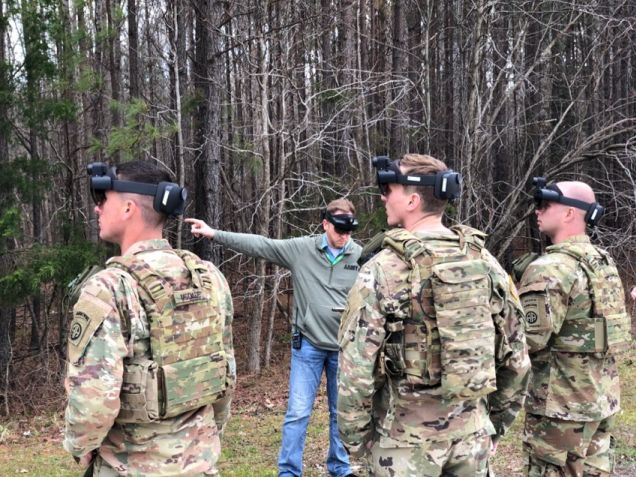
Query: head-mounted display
[
  {"x": 552, "y": 193},
  {"x": 169, "y": 198},
  {"x": 447, "y": 184},
  {"x": 342, "y": 222}
]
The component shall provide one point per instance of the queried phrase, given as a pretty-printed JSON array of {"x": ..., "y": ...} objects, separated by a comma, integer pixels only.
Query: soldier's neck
[
  {"x": 426, "y": 223},
  {"x": 138, "y": 234},
  {"x": 563, "y": 235}
]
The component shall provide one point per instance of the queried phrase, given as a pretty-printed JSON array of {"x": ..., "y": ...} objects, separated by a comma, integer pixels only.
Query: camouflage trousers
[
  {"x": 100, "y": 468},
  {"x": 558, "y": 448},
  {"x": 466, "y": 457}
]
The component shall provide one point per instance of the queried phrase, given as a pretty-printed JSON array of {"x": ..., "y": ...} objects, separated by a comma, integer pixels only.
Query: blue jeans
[{"x": 307, "y": 364}]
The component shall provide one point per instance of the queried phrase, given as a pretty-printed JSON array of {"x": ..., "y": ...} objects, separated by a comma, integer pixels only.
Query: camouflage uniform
[
  {"x": 572, "y": 395},
  {"x": 408, "y": 429},
  {"x": 109, "y": 308}
]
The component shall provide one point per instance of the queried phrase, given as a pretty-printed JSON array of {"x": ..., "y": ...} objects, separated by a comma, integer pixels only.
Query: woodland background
[{"x": 266, "y": 110}]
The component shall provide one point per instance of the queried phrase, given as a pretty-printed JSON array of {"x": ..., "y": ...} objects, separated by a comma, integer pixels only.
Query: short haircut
[
  {"x": 146, "y": 172},
  {"x": 424, "y": 165},
  {"x": 344, "y": 205}
]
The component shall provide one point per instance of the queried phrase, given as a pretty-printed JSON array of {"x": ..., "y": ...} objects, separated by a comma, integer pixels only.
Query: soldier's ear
[
  {"x": 414, "y": 201},
  {"x": 129, "y": 207},
  {"x": 572, "y": 213}
]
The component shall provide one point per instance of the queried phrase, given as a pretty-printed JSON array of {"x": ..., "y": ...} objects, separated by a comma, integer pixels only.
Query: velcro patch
[
  {"x": 78, "y": 327},
  {"x": 88, "y": 315},
  {"x": 190, "y": 296},
  {"x": 536, "y": 307}
]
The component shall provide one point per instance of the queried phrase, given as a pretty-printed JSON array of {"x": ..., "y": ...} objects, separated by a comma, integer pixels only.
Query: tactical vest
[
  {"x": 187, "y": 366},
  {"x": 440, "y": 330},
  {"x": 608, "y": 329}
]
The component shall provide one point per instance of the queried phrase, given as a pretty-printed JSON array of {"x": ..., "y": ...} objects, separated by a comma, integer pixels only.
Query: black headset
[
  {"x": 342, "y": 222},
  {"x": 169, "y": 198},
  {"x": 552, "y": 193},
  {"x": 447, "y": 184}
]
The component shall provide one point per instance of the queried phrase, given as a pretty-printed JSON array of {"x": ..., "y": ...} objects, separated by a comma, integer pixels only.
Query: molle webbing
[
  {"x": 608, "y": 329},
  {"x": 185, "y": 340},
  {"x": 440, "y": 327}
]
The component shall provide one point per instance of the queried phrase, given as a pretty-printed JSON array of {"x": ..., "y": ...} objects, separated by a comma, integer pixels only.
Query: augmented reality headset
[
  {"x": 169, "y": 197},
  {"x": 446, "y": 185},
  {"x": 551, "y": 193},
  {"x": 342, "y": 222}
]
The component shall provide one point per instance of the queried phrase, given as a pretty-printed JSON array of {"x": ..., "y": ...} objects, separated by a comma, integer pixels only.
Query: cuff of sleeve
[
  {"x": 74, "y": 451},
  {"x": 500, "y": 430},
  {"x": 356, "y": 450}
]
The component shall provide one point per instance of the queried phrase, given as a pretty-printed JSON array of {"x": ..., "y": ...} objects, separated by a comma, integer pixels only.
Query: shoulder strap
[
  {"x": 405, "y": 244},
  {"x": 201, "y": 276},
  {"x": 151, "y": 281},
  {"x": 471, "y": 241}
]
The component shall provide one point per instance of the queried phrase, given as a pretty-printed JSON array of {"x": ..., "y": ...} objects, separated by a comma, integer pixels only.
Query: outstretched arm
[{"x": 281, "y": 252}]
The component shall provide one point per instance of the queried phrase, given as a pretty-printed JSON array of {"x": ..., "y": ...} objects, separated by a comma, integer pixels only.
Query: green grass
[
  {"x": 38, "y": 460},
  {"x": 252, "y": 439}
]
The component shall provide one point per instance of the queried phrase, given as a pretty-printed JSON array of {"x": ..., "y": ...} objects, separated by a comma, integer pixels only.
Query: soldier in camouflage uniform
[
  {"x": 433, "y": 363},
  {"x": 575, "y": 325},
  {"x": 119, "y": 421}
]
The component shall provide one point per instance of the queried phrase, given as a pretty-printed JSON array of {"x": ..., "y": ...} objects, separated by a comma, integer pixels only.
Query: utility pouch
[
  {"x": 394, "y": 347},
  {"x": 190, "y": 384},
  {"x": 139, "y": 392},
  {"x": 461, "y": 296}
]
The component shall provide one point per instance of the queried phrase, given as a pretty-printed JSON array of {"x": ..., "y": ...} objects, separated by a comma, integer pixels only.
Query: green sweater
[{"x": 319, "y": 286}]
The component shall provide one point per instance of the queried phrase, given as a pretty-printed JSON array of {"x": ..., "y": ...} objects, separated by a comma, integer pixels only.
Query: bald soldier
[
  {"x": 433, "y": 362},
  {"x": 150, "y": 357},
  {"x": 576, "y": 324}
]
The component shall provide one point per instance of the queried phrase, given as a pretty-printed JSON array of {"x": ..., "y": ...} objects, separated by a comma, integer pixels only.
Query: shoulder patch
[
  {"x": 88, "y": 315},
  {"x": 78, "y": 327},
  {"x": 536, "y": 306}
]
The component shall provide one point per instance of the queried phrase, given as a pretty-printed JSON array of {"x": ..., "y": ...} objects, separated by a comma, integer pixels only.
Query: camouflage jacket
[
  {"x": 372, "y": 407},
  {"x": 564, "y": 385},
  {"x": 187, "y": 444}
]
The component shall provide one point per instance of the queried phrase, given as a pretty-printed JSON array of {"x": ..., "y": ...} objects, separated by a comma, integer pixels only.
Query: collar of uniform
[
  {"x": 576, "y": 239},
  {"x": 424, "y": 235},
  {"x": 322, "y": 244},
  {"x": 146, "y": 245}
]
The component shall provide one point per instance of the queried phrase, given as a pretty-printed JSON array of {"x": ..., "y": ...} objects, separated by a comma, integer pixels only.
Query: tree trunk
[
  {"x": 208, "y": 81},
  {"x": 133, "y": 54},
  {"x": 7, "y": 313},
  {"x": 178, "y": 45},
  {"x": 114, "y": 57}
]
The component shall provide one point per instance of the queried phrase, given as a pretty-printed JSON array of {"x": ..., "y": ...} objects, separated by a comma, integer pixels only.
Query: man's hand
[
  {"x": 493, "y": 448},
  {"x": 199, "y": 228},
  {"x": 85, "y": 460},
  {"x": 633, "y": 293}
]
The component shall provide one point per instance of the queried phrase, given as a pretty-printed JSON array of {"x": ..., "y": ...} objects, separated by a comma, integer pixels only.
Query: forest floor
[{"x": 31, "y": 444}]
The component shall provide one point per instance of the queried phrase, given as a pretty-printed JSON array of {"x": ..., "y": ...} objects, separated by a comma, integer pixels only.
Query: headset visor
[
  {"x": 169, "y": 198},
  {"x": 342, "y": 222},
  {"x": 388, "y": 172},
  {"x": 543, "y": 194}
]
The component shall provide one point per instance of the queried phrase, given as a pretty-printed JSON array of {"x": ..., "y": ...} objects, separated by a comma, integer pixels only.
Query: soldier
[
  {"x": 151, "y": 363},
  {"x": 575, "y": 325},
  {"x": 323, "y": 268},
  {"x": 433, "y": 363}
]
